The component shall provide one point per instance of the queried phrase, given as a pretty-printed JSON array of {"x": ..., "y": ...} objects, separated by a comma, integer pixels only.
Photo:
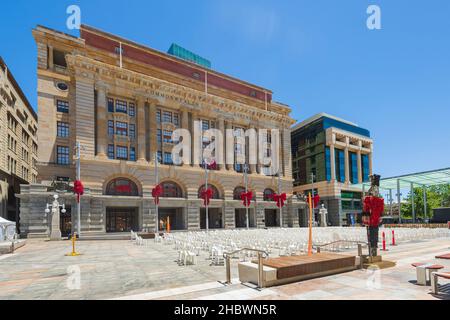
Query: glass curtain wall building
[{"x": 335, "y": 155}]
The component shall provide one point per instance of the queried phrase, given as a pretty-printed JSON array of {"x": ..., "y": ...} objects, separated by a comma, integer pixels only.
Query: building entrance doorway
[
  {"x": 121, "y": 219},
  {"x": 303, "y": 217},
  {"x": 241, "y": 219},
  {"x": 271, "y": 217},
  {"x": 214, "y": 218},
  {"x": 65, "y": 222},
  {"x": 172, "y": 217}
]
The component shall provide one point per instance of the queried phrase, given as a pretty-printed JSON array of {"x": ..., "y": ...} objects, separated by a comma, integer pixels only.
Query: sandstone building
[
  {"x": 18, "y": 143},
  {"x": 121, "y": 101}
]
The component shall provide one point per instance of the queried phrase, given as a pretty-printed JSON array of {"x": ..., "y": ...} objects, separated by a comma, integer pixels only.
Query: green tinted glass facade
[{"x": 187, "y": 55}]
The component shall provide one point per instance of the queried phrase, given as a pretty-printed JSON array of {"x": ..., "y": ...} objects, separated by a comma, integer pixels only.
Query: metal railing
[{"x": 261, "y": 255}]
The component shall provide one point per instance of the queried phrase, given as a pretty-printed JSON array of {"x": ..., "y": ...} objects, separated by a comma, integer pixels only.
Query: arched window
[
  {"x": 122, "y": 187},
  {"x": 171, "y": 190},
  {"x": 238, "y": 191},
  {"x": 216, "y": 194},
  {"x": 268, "y": 194}
]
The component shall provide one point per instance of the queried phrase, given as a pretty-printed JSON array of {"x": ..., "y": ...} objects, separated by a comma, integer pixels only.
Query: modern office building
[
  {"x": 122, "y": 101},
  {"x": 18, "y": 143},
  {"x": 331, "y": 156}
]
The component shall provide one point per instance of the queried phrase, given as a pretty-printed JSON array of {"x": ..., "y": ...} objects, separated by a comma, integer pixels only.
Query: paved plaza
[{"x": 119, "y": 269}]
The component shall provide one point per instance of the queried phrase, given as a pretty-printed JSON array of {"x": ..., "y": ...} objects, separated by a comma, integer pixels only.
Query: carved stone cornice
[{"x": 153, "y": 88}]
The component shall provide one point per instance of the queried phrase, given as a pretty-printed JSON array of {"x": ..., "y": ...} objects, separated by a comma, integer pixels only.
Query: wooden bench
[
  {"x": 422, "y": 269},
  {"x": 434, "y": 280}
]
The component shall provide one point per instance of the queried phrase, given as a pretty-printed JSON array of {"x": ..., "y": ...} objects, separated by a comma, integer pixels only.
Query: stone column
[
  {"x": 140, "y": 106},
  {"x": 85, "y": 115},
  {"x": 287, "y": 155},
  {"x": 152, "y": 125},
  {"x": 259, "y": 142},
  {"x": 333, "y": 163},
  {"x": 101, "y": 121},
  {"x": 229, "y": 140},
  {"x": 358, "y": 156},
  {"x": 253, "y": 144},
  {"x": 50, "y": 57},
  {"x": 370, "y": 163},
  {"x": 185, "y": 125},
  {"x": 347, "y": 162},
  {"x": 221, "y": 127}
]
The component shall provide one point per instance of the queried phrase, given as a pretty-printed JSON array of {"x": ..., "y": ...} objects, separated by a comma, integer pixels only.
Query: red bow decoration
[
  {"x": 315, "y": 200},
  {"x": 78, "y": 189},
  {"x": 247, "y": 198},
  {"x": 211, "y": 166},
  {"x": 206, "y": 195},
  {"x": 156, "y": 193},
  {"x": 374, "y": 206},
  {"x": 279, "y": 199}
]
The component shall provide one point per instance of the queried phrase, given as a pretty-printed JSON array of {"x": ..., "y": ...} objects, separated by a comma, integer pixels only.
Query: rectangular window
[
  {"x": 365, "y": 167},
  {"x": 353, "y": 167},
  {"x": 158, "y": 116},
  {"x": 131, "y": 109},
  {"x": 110, "y": 127},
  {"x": 168, "y": 158},
  {"x": 328, "y": 163},
  {"x": 62, "y": 129},
  {"x": 340, "y": 165},
  {"x": 121, "y": 128},
  {"x": 167, "y": 116},
  {"x": 205, "y": 125},
  {"x": 176, "y": 119},
  {"x": 132, "y": 131},
  {"x": 62, "y": 155},
  {"x": 158, "y": 136},
  {"x": 167, "y": 136},
  {"x": 159, "y": 155},
  {"x": 121, "y": 106},
  {"x": 62, "y": 106},
  {"x": 110, "y": 105},
  {"x": 110, "y": 151},
  {"x": 59, "y": 59},
  {"x": 121, "y": 153},
  {"x": 132, "y": 154}
]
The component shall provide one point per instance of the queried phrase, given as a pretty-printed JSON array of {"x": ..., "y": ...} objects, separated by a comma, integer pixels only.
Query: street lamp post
[
  {"x": 156, "y": 202},
  {"x": 78, "y": 177},
  {"x": 279, "y": 193},
  {"x": 54, "y": 208}
]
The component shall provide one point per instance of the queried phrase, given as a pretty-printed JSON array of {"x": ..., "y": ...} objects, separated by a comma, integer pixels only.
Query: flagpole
[
  {"x": 279, "y": 193},
  {"x": 156, "y": 202},
  {"x": 246, "y": 190}
]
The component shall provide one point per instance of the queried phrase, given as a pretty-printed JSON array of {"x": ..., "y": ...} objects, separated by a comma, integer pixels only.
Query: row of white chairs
[{"x": 288, "y": 241}]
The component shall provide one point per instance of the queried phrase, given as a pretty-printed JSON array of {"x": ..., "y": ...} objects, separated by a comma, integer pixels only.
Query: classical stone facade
[
  {"x": 121, "y": 101},
  {"x": 338, "y": 154},
  {"x": 18, "y": 142}
]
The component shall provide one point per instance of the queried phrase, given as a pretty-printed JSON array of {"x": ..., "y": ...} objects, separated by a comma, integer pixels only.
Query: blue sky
[{"x": 316, "y": 56}]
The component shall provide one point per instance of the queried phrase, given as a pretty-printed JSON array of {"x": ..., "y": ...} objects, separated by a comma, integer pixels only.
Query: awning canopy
[{"x": 426, "y": 178}]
